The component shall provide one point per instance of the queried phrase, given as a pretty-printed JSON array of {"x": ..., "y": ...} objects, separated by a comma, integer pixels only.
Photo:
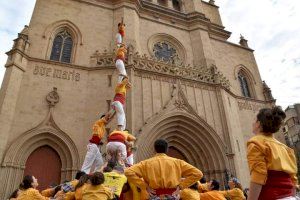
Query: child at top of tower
[
  {"x": 121, "y": 33},
  {"x": 273, "y": 166}
]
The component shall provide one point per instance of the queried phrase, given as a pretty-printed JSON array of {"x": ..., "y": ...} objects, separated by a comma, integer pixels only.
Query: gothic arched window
[
  {"x": 244, "y": 83},
  {"x": 162, "y": 2},
  {"x": 165, "y": 52},
  {"x": 62, "y": 47},
  {"x": 176, "y": 5}
]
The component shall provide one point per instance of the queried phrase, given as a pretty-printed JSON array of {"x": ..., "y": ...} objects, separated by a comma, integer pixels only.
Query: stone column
[
  {"x": 193, "y": 6},
  {"x": 170, "y": 4},
  {"x": 202, "y": 48},
  {"x": 9, "y": 95}
]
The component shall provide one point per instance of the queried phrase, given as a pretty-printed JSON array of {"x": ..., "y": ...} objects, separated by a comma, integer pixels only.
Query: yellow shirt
[
  {"x": 99, "y": 128},
  {"x": 212, "y": 195},
  {"x": 31, "y": 194},
  {"x": 91, "y": 192},
  {"x": 266, "y": 153},
  {"x": 48, "y": 192},
  {"x": 121, "y": 87},
  {"x": 163, "y": 171},
  {"x": 203, "y": 187},
  {"x": 115, "y": 180},
  {"x": 234, "y": 194},
  {"x": 128, "y": 137},
  {"x": 189, "y": 194}
]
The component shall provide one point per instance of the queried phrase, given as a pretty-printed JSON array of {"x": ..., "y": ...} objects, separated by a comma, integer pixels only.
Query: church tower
[{"x": 191, "y": 86}]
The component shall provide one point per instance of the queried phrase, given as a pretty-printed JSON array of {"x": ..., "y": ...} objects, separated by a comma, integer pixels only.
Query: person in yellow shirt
[
  {"x": 236, "y": 190},
  {"x": 162, "y": 175},
  {"x": 77, "y": 193},
  {"x": 203, "y": 185},
  {"x": 114, "y": 179},
  {"x": 28, "y": 189},
  {"x": 213, "y": 193},
  {"x": 190, "y": 193},
  {"x": 120, "y": 62},
  {"x": 14, "y": 195},
  {"x": 117, "y": 143},
  {"x": 272, "y": 165},
  {"x": 96, "y": 190},
  {"x": 93, "y": 154},
  {"x": 119, "y": 102}
]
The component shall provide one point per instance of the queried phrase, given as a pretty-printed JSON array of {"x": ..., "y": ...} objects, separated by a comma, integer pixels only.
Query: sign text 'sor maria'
[{"x": 56, "y": 73}]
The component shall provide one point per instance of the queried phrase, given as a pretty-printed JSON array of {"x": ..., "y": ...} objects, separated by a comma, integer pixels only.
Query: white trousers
[
  {"x": 121, "y": 118},
  {"x": 121, "y": 69},
  {"x": 289, "y": 198},
  {"x": 93, "y": 156},
  {"x": 119, "y": 39},
  {"x": 130, "y": 159},
  {"x": 117, "y": 146}
]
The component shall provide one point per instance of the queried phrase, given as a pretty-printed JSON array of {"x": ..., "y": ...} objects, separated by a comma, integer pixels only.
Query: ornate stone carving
[
  {"x": 165, "y": 52},
  {"x": 52, "y": 98},
  {"x": 152, "y": 64}
]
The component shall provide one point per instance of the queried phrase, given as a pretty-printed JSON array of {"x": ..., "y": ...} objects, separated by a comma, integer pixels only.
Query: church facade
[{"x": 191, "y": 86}]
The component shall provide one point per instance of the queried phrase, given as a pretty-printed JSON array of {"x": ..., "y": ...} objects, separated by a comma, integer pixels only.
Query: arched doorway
[
  {"x": 45, "y": 164},
  {"x": 190, "y": 138},
  {"x": 175, "y": 153}
]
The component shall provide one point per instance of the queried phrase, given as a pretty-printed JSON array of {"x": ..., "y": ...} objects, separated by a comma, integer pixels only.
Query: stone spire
[
  {"x": 212, "y": 2},
  {"x": 243, "y": 42},
  {"x": 267, "y": 92}
]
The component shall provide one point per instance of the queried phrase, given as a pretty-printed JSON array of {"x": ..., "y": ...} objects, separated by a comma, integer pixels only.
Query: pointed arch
[
  {"x": 71, "y": 43},
  {"x": 185, "y": 130},
  {"x": 246, "y": 81},
  {"x": 46, "y": 133}
]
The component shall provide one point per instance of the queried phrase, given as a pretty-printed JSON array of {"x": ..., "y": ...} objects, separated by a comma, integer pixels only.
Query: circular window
[{"x": 166, "y": 48}]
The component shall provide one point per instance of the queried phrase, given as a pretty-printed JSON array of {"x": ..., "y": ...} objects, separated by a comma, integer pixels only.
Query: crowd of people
[{"x": 272, "y": 166}]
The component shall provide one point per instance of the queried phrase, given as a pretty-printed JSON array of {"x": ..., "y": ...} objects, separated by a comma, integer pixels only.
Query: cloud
[
  {"x": 272, "y": 31},
  {"x": 14, "y": 14}
]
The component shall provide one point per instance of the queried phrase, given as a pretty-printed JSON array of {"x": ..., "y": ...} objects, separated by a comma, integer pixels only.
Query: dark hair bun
[
  {"x": 27, "y": 182},
  {"x": 97, "y": 178},
  {"x": 271, "y": 119},
  {"x": 278, "y": 113}
]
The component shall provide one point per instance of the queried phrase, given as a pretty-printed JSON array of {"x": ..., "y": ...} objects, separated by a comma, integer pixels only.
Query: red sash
[
  {"x": 116, "y": 138},
  {"x": 165, "y": 191},
  {"x": 121, "y": 98},
  {"x": 279, "y": 185}
]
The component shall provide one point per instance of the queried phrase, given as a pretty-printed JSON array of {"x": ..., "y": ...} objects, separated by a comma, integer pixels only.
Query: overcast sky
[{"x": 271, "y": 26}]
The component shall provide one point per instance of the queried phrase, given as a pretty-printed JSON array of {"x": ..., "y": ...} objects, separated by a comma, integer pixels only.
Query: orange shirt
[
  {"x": 121, "y": 87},
  {"x": 234, "y": 194},
  {"x": 266, "y": 153},
  {"x": 99, "y": 128},
  {"x": 121, "y": 53},
  {"x": 48, "y": 192},
  {"x": 162, "y": 171},
  {"x": 30, "y": 194},
  {"x": 212, "y": 195},
  {"x": 91, "y": 192},
  {"x": 189, "y": 194},
  {"x": 203, "y": 187},
  {"x": 124, "y": 134}
]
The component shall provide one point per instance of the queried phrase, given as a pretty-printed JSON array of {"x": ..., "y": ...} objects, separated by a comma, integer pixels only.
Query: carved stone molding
[
  {"x": 53, "y": 97},
  {"x": 151, "y": 64}
]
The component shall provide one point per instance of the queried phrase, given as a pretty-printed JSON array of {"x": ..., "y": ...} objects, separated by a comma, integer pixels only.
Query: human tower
[{"x": 120, "y": 141}]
